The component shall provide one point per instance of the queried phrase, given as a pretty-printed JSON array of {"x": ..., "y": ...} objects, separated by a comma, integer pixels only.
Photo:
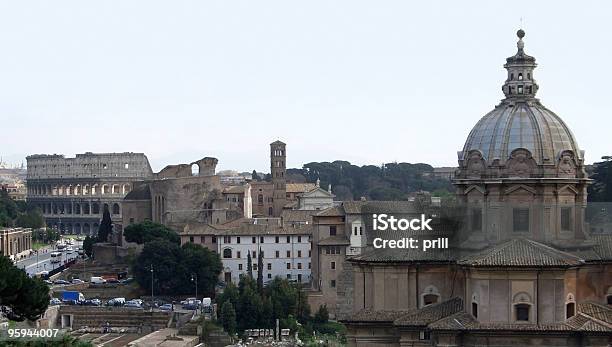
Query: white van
[{"x": 97, "y": 280}]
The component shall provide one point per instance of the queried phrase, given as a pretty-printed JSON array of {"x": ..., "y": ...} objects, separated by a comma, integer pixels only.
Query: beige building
[
  {"x": 522, "y": 268},
  {"x": 15, "y": 242}
]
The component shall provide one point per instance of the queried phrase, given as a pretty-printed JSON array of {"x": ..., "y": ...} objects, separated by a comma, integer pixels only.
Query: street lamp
[
  {"x": 152, "y": 297},
  {"x": 194, "y": 278}
]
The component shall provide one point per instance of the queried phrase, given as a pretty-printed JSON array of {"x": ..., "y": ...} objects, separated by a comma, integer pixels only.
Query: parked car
[
  {"x": 55, "y": 301},
  {"x": 92, "y": 302},
  {"x": 166, "y": 307},
  {"x": 127, "y": 280},
  {"x": 97, "y": 280},
  {"x": 61, "y": 282},
  {"x": 77, "y": 281},
  {"x": 133, "y": 304},
  {"x": 116, "y": 302}
]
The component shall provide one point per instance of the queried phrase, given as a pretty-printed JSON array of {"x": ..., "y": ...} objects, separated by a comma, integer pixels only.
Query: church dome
[{"x": 520, "y": 121}]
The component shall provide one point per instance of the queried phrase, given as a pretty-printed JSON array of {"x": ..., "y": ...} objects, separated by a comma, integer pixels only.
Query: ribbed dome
[
  {"x": 520, "y": 120},
  {"x": 521, "y": 125}
]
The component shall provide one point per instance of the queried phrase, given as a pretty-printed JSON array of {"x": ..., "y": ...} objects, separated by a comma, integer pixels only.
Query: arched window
[
  {"x": 570, "y": 309},
  {"x": 522, "y": 307},
  {"x": 520, "y": 76},
  {"x": 430, "y": 296},
  {"x": 126, "y": 188},
  {"x": 511, "y": 77},
  {"x": 77, "y": 190},
  {"x": 95, "y": 208},
  {"x": 195, "y": 170},
  {"x": 227, "y": 253},
  {"x": 115, "y": 189},
  {"x": 86, "y": 229},
  {"x": 522, "y": 312},
  {"x": 86, "y": 209},
  {"x": 85, "y": 189},
  {"x": 94, "y": 188},
  {"x": 260, "y": 199},
  {"x": 104, "y": 189},
  {"x": 475, "y": 309},
  {"x": 116, "y": 209}
]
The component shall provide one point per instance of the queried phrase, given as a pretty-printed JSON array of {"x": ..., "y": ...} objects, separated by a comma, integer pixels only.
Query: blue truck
[{"x": 73, "y": 297}]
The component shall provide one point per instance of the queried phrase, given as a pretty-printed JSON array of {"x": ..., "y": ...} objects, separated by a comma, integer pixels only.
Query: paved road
[{"x": 42, "y": 262}]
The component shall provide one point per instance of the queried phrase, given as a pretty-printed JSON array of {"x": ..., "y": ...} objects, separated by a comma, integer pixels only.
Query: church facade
[{"x": 523, "y": 268}]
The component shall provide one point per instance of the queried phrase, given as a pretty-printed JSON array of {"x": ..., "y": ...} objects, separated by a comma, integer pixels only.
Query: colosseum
[{"x": 72, "y": 193}]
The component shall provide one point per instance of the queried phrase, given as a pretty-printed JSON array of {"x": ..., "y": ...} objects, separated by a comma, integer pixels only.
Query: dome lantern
[{"x": 520, "y": 83}]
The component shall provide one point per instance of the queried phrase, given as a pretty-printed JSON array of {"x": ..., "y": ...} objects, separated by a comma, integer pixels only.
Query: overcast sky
[{"x": 363, "y": 81}]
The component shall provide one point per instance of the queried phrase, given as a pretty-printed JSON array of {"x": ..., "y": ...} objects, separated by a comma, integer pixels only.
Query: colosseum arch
[
  {"x": 95, "y": 208},
  {"x": 126, "y": 189},
  {"x": 115, "y": 189},
  {"x": 104, "y": 189},
  {"x": 77, "y": 209},
  {"x": 86, "y": 208},
  {"x": 86, "y": 189},
  {"x": 77, "y": 189},
  {"x": 116, "y": 209},
  {"x": 94, "y": 189},
  {"x": 61, "y": 190}
]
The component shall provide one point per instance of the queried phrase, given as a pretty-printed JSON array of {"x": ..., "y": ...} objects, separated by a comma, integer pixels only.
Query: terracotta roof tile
[
  {"x": 366, "y": 315},
  {"x": 431, "y": 313},
  {"x": 335, "y": 240},
  {"x": 521, "y": 253}
]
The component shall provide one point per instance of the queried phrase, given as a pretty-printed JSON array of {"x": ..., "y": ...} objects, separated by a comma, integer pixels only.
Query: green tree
[
  {"x": 260, "y": 270},
  {"x": 250, "y": 306},
  {"x": 88, "y": 245},
  {"x": 27, "y": 298},
  {"x": 601, "y": 189},
  {"x": 106, "y": 226},
  {"x": 322, "y": 315},
  {"x": 174, "y": 265},
  {"x": 255, "y": 176},
  {"x": 228, "y": 317},
  {"x": 148, "y": 231},
  {"x": 203, "y": 262},
  {"x": 231, "y": 294},
  {"x": 249, "y": 265}
]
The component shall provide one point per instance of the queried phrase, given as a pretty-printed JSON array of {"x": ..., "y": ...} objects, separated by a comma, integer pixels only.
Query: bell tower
[{"x": 278, "y": 170}]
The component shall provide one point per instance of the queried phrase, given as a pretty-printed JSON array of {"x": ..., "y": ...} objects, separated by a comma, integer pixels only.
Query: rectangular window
[
  {"x": 288, "y": 276},
  {"x": 191, "y": 239},
  {"x": 261, "y": 239},
  {"x": 253, "y": 239},
  {"x": 299, "y": 254},
  {"x": 288, "y": 239},
  {"x": 214, "y": 239},
  {"x": 332, "y": 283},
  {"x": 276, "y": 239},
  {"x": 254, "y": 254},
  {"x": 299, "y": 239},
  {"x": 238, "y": 254},
  {"x": 255, "y": 267},
  {"x": 288, "y": 254},
  {"x": 299, "y": 277},
  {"x": 299, "y": 266},
  {"x": 476, "y": 219},
  {"x": 269, "y": 266},
  {"x": 238, "y": 239},
  {"x": 239, "y": 266},
  {"x": 277, "y": 254},
  {"x": 332, "y": 265},
  {"x": 309, "y": 253},
  {"x": 566, "y": 218},
  {"x": 332, "y": 230},
  {"x": 288, "y": 266},
  {"x": 309, "y": 265},
  {"x": 269, "y": 276},
  {"x": 202, "y": 239},
  {"x": 520, "y": 219}
]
